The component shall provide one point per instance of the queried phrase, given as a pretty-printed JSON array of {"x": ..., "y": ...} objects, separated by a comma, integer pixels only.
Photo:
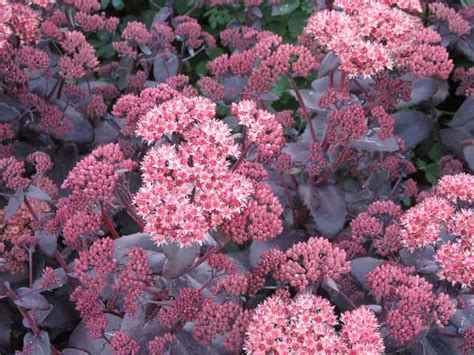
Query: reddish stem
[
  {"x": 131, "y": 211},
  {"x": 303, "y": 107},
  {"x": 61, "y": 261},
  {"x": 109, "y": 224},
  {"x": 288, "y": 197}
]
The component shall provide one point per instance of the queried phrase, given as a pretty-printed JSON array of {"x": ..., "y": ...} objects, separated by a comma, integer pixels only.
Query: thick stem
[
  {"x": 30, "y": 267},
  {"x": 109, "y": 224},
  {"x": 288, "y": 197},
  {"x": 335, "y": 166},
  {"x": 131, "y": 211},
  {"x": 61, "y": 261},
  {"x": 202, "y": 259},
  {"x": 303, "y": 107}
]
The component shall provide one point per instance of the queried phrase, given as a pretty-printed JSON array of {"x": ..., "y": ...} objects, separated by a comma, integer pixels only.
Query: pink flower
[
  {"x": 136, "y": 32},
  {"x": 189, "y": 187},
  {"x": 422, "y": 224},
  {"x": 260, "y": 220},
  {"x": 456, "y": 188},
  {"x": 95, "y": 177},
  {"x": 456, "y": 23},
  {"x": 122, "y": 344},
  {"x": 312, "y": 261},
  {"x": 79, "y": 59},
  {"x": 360, "y": 332}
]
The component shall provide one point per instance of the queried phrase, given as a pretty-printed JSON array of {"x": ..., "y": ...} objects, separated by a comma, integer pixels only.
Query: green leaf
[
  {"x": 281, "y": 86},
  {"x": 118, "y": 5},
  {"x": 436, "y": 151},
  {"x": 307, "y": 6},
  {"x": 420, "y": 164},
  {"x": 286, "y": 8},
  {"x": 432, "y": 173},
  {"x": 104, "y": 4},
  {"x": 201, "y": 68},
  {"x": 218, "y": 16},
  {"x": 406, "y": 202},
  {"x": 215, "y": 52},
  {"x": 296, "y": 23},
  {"x": 183, "y": 6}
]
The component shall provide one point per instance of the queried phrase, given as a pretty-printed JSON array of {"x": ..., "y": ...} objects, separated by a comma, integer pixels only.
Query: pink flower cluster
[
  {"x": 261, "y": 57},
  {"x": 378, "y": 224},
  {"x": 79, "y": 59},
  {"x": 188, "y": 187},
  {"x": 259, "y": 220},
  {"x": 346, "y": 124},
  {"x": 94, "y": 268},
  {"x": 96, "y": 176},
  {"x": 456, "y": 23},
  {"x": 312, "y": 261},
  {"x": 307, "y": 325},
  {"x": 263, "y": 129},
  {"x": 448, "y": 209},
  {"x": 372, "y": 36},
  {"x": 411, "y": 304}
]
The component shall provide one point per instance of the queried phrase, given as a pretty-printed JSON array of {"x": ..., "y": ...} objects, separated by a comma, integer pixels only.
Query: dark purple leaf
[
  {"x": 81, "y": 130},
  {"x": 233, "y": 88},
  {"x": 186, "y": 344},
  {"x": 64, "y": 160},
  {"x": 142, "y": 326},
  {"x": 62, "y": 317},
  {"x": 178, "y": 259},
  {"x": 31, "y": 299},
  {"x": 38, "y": 345},
  {"x": 162, "y": 15},
  {"x": 436, "y": 345},
  {"x": 466, "y": 46},
  {"x": 330, "y": 62},
  {"x": 9, "y": 109},
  {"x": 464, "y": 115},
  {"x": 36, "y": 193},
  {"x": 14, "y": 203},
  {"x": 468, "y": 152},
  {"x": 412, "y": 126},
  {"x": 81, "y": 340},
  {"x": 452, "y": 138},
  {"x": 5, "y": 326},
  {"x": 373, "y": 143},
  {"x": 360, "y": 267},
  {"x": 47, "y": 243},
  {"x": 422, "y": 259},
  {"x": 427, "y": 89},
  {"x": 327, "y": 207},
  {"x": 71, "y": 351},
  {"x": 127, "y": 242},
  {"x": 165, "y": 65}
]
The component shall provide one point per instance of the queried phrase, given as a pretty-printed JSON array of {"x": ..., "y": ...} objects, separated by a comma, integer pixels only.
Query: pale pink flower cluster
[
  {"x": 188, "y": 187},
  {"x": 456, "y": 23},
  {"x": 423, "y": 223},
  {"x": 263, "y": 129},
  {"x": 448, "y": 209},
  {"x": 371, "y": 36},
  {"x": 306, "y": 325}
]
